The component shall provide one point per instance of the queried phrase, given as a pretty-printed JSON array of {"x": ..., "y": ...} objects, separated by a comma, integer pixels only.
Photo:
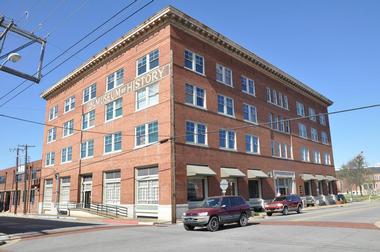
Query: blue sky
[{"x": 333, "y": 46}]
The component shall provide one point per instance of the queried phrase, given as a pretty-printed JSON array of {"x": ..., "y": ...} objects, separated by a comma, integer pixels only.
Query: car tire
[
  {"x": 285, "y": 211},
  {"x": 299, "y": 209},
  {"x": 243, "y": 220},
  {"x": 188, "y": 227},
  {"x": 269, "y": 213},
  {"x": 213, "y": 224}
]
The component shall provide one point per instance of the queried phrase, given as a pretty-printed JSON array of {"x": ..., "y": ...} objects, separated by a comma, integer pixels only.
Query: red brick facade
[{"x": 171, "y": 32}]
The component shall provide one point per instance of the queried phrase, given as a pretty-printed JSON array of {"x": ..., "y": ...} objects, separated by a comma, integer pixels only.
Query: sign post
[{"x": 224, "y": 186}]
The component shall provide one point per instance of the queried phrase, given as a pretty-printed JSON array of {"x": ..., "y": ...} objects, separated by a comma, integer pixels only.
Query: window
[
  {"x": 322, "y": 119},
  {"x": 324, "y": 138},
  {"x": 112, "y": 142},
  {"x": 302, "y": 130},
  {"x": 314, "y": 135},
  {"x": 114, "y": 109},
  {"x": 147, "y": 186},
  {"x": 88, "y": 120},
  {"x": 224, "y": 75},
  {"x": 195, "y": 96},
  {"x": 247, "y": 85},
  {"x": 281, "y": 150},
  {"x": 52, "y": 135},
  {"x": 53, "y": 112},
  {"x": 111, "y": 190},
  {"x": 278, "y": 123},
  {"x": 326, "y": 159},
  {"x": 276, "y": 98},
  {"x": 196, "y": 189},
  {"x": 194, "y": 62},
  {"x": 249, "y": 113},
  {"x": 115, "y": 79},
  {"x": 226, "y": 105},
  {"x": 147, "y": 134},
  {"x": 305, "y": 155},
  {"x": 300, "y": 109},
  {"x": 147, "y": 62},
  {"x": 252, "y": 144},
  {"x": 64, "y": 191},
  {"x": 317, "y": 157},
  {"x": 50, "y": 158},
  {"x": 2, "y": 179},
  {"x": 87, "y": 149},
  {"x": 312, "y": 114},
  {"x": 196, "y": 133},
  {"x": 89, "y": 93},
  {"x": 227, "y": 139},
  {"x": 68, "y": 128},
  {"x": 69, "y": 104},
  {"x": 147, "y": 96},
  {"x": 66, "y": 154}
]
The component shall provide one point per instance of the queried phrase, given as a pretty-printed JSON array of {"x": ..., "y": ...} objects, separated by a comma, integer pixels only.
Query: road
[{"x": 348, "y": 228}]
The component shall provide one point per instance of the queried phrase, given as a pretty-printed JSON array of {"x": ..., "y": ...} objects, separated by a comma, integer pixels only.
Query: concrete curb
[{"x": 377, "y": 224}]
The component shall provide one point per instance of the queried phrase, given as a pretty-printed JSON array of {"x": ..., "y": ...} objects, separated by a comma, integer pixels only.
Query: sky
[{"x": 332, "y": 46}]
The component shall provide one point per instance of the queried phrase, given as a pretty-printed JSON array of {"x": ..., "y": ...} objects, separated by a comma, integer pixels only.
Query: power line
[{"x": 65, "y": 51}]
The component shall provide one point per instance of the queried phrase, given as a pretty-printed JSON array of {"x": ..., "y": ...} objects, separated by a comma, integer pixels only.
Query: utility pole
[
  {"x": 16, "y": 194},
  {"x": 26, "y": 186}
]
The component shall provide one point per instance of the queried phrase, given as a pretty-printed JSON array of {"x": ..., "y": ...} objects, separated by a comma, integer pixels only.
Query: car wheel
[
  {"x": 269, "y": 213},
  {"x": 285, "y": 211},
  {"x": 299, "y": 209},
  {"x": 213, "y": 224},
  {"x": 243, "y": 220},
  {"x": 188, "y": 227}
]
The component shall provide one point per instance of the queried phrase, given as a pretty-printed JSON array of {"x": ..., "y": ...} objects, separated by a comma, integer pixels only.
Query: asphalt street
[{"x": 348, "y": 228}]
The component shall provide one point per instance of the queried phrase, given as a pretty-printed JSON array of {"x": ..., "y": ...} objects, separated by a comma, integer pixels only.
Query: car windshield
[
  {"x": 211, "y": 203},
  {"x": 281, "y": 198}
]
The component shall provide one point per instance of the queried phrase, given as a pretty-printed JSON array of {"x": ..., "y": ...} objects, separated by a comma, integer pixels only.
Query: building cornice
[{"x": 173, "y": 16}]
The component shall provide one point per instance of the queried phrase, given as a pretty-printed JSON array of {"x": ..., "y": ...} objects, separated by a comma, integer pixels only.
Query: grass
[{"x": 358, "y": 198}]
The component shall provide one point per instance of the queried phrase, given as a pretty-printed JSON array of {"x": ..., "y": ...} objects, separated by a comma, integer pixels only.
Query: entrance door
[
  {"x": 87, "y": 199},
  {"x": 7, "y": 201}
]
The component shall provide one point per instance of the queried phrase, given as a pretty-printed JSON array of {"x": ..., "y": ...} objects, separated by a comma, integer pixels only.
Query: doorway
[
  {"x": 7, "y": 201},
  {"x": 87, "y": 199}
]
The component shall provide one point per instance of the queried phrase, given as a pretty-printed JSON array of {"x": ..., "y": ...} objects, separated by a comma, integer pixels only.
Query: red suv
[
  {"x": 284, "y": 204},
  {"x": 217, "y": 211}
]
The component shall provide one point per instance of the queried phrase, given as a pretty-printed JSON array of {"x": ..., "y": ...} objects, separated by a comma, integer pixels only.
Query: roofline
[{"x": 173, "y": 16}]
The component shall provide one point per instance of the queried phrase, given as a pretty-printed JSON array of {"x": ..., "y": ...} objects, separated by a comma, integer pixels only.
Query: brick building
[
  {"x": 16, "y": 187},
  {"x": 157, "y": 119}
]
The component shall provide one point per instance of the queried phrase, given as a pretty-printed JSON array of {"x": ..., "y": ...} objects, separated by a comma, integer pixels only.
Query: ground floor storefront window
[
  {"x": 147, "y": 191},
  {"x": 254, "y": 189},
  {"x": 64, "y": 191},
  {"x": 48, "y": 194},
  {"x": 307, "y": 186},
  {"x": 232, "y": 187},
  {"x": 320, "y": 187},
  {"x": 196, "y": 189},
  {"x": 111, "y": 191},
  {"x": 284, "y": 182}
]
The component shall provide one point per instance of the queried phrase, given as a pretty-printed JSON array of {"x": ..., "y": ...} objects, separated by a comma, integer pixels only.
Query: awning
[
  {"x": 231, "y": 172},
  {"x": 307, "y": 177},
  {"x": 194, "y": 170},
  {"x": 256, "y": 174},
  {"x": 330, "y": 178},
  {"x": 320, "y": 177}
]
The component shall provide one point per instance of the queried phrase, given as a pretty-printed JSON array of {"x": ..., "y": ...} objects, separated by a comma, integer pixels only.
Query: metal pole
[
  {"x": 25, "y": 176},
  {"x": 57, "y": 184},
  {"x": 16, "y": 177}
]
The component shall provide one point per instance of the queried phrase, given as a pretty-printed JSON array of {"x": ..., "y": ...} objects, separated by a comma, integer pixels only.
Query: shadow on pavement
[{"x": 226, "y": 227}]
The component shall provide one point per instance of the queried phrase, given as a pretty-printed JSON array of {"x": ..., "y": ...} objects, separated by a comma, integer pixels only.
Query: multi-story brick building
[
  {"x": 157, "y": 119},
  {"x": 20, "y": 188}
]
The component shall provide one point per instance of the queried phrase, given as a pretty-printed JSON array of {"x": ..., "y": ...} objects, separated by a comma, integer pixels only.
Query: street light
[{"x": 14, "y": 57}]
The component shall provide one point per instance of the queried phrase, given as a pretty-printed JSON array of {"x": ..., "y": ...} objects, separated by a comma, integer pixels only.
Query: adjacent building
[
  {"x": 371, "y": 185},
  {"x": 20, "y": 188},
  {"x": 156, "y": 120}
]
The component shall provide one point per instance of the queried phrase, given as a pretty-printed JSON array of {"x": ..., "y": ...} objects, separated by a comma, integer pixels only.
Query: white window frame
[
  {"x": 302, "y": 131},
  {"x": 53, "y": 112},
  {"x": 314, "y": 134},
  {"x": 312, "y": 114},
  {"x": 71, "y": 102},
  {"x": 146, "y": 125},
  {"x": 69, "y": 129},
  {"x": 225, "y": 106},
  {"x": 193, "y": 67},
  {"x": 147, "y": 60},
  {"x": 87, "y": 144},
  {"x": 223, "y": 75},
  {"x": 87, "y": 117},
  {"x": 228, "y": 132},
  {"x": 317, "y": 157},
  {"x": 52, "y": 133},
  {"x": 250, "y": 107},
  {"x": 273, "y": 97},
  {"x": 307, "y": 153},
  {"x": 114, "y": 103},
  {"x": 112, "y": 143},
  {"x": 67, "y": 156},
  {"x": 90, "y": 91},
  {"x": 195, "y": 133},
  {"x": 327, "y": 158},
  {"x": 148, "y": 102},
  {"x": 324, "y": 138},
  {"x": 195, "y": 95},
  {"x": 300, "y": 109},
  {"x": 114, "y": 77},
  {"x": 247, "y": 80},
  {"x": 50, "y": 159},
  {"x": 322, "y": 119},
  {"x": 251, "y": 146}
]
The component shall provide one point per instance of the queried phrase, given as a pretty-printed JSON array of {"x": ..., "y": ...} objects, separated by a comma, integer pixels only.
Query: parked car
[
  {"x": 284, "y": 204},
  {"x": 217, "y": 211}
]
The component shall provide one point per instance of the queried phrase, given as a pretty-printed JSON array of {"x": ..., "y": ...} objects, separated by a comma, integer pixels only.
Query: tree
[{"x": 355, "y": 172}]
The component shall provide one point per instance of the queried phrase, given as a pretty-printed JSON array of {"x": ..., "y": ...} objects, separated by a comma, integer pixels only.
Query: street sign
[{"x": 224, "y": 185}]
